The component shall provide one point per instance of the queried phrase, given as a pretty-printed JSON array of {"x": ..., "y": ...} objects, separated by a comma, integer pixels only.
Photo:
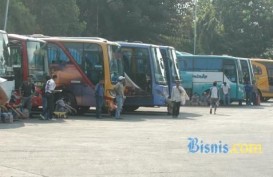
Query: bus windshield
[
  {"x": 175, "y": 73},
  {"x": 37, "y": 63},
  {"x": 5, "y": 63},
  {"x": 115, "y": 60},
  {"x": 158, "y": 65}
]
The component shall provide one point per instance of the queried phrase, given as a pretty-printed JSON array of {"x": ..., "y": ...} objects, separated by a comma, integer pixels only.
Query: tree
[
  {"x": 56, "y": 17},
  {"x": 20, "y": 20}
]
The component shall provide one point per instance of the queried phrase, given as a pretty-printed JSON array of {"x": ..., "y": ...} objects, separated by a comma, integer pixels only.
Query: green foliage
[{"x": 234, "y": 27}]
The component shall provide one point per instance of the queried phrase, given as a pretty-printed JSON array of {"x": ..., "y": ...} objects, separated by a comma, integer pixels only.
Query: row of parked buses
[
  {"x": 80, "y": 62},
  {"x": 150, "y": 70},
  {"x": 199, "y": 71}
]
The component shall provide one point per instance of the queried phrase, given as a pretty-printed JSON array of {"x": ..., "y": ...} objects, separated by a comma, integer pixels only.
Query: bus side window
[{"x": 270, "y": 76}]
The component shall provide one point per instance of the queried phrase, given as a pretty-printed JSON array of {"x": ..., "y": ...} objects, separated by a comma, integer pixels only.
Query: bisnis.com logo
[{"x": 199, "y": 146}]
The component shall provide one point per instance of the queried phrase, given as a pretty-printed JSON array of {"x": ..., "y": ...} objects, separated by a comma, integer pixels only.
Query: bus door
[
  {"x": 230, "y": 76},
  {"x": 16, "y": 56},
  {"x": 168, "y": 70},
  {"x": 138, "y": 76}
]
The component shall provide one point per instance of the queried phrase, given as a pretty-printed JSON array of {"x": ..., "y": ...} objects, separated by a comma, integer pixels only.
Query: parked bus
[
  {"x": 79, "y": 65},
  {"x": 29, "y": 58},
  {"x": 146, "y": 82},
  {"x": 6, "y": 70},
  {"x": 198, "y": 72},
  {"x": 263, "y": 70},
  {"x": 170, "y": 64}
]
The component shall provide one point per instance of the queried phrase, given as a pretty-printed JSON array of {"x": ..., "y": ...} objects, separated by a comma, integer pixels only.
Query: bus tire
[{"x": 263, "y": 99}]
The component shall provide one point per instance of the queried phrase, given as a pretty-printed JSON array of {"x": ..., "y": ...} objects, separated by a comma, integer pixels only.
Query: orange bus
[{"x": 263, "y": 71}]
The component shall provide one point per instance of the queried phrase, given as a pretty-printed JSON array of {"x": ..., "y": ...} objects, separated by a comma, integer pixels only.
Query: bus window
[
  {"x": 137, "y": 66},
  {"x": 115, "y": 60},
  {"x": 207, "y": 64},
  {"x": 37, "y": 59},
  {"x": 257, "y": 70},
  {"x": 229, "y": 69},
  {"x": 185, "y": 64},
  {"x": 56, "y": 55},
  {"x": 93, "y": 62},
  {"x": 245, "y": 70},
  {"x": 159, "y": 69},
  {"x": 270, "y": 76}
]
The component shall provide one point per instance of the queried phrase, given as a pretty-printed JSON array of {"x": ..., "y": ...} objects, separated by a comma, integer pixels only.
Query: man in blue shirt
[
  {"x": 99, "y": 94},
  {"x": 248, "y": 91}
]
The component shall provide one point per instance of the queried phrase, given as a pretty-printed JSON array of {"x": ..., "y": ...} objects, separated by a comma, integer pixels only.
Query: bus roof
[
  {"x": 23, "y": 37},
  {"x": 166, "y": 47},
  {"x": 178, "y": 53},
  {"x": 136, "y": 44},
  {"x": 260, "y": 59},
  {"x": 1, "y": 31},
  {"x": 79, "y": 39},
  {"x": 208, "y": 56}
]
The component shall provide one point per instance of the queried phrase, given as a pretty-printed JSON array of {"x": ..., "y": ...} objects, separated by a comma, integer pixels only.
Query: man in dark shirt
[{"x": 27, "y": 89}]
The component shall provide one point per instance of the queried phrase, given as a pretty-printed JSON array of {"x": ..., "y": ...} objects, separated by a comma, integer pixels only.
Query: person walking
[
  {"x": 226, "y": 93},
  {"x": 119, "y": 90},
  {"x": 176, "y": 97},
  {"x": 99, "y": 94},
  {"x": 49, "y": 89},
  {"x": 26, "y": 91},
  {"x": 214, "y": 97},
  {"x": 43, "y": 115}
]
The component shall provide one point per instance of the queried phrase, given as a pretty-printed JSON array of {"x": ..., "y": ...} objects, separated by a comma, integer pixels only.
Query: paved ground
[{"x": 146, "y": 143}]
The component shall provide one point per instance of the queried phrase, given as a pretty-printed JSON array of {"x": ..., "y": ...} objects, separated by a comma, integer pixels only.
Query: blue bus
[
  {"x": 198, "y": 72},
  {"x": 146, "y": 82}
]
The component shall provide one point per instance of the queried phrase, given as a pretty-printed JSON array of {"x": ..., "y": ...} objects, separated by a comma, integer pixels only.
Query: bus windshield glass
[
  {"x": 5, "y": 63},
  {"x": 158, "y": 65},
  {"x": 175, "y": 72},
  {"x": 89, "y": 56},
  {"x": 115, "y": 60},
  {"x": 37, "y": 63}
]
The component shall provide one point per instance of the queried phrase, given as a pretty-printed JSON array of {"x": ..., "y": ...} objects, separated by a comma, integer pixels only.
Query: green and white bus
[{"x": 198, "y": 72}]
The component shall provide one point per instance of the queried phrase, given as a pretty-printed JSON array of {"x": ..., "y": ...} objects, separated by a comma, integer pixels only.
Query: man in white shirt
[
  {"x": 214, "y": 97},
  {"x": 49, "y": 89},
  {"x": 226, "y": 93},
  {"x": 177, "y": 92}
]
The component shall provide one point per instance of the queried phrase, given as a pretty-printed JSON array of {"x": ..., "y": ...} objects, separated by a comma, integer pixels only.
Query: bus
[
  {"x": 29, "y": 58},
  {"x": 79, "y": 64},
  {"x": 146, "y": 81},
  {"x": 263, "y": 70},
  {"x": 170, "y": 64},
  {"x": 6, "y": 70},
  {"x": 198, "y": 72}
]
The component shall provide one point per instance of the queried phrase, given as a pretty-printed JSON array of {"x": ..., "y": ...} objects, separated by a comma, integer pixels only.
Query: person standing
[
  {"x": 226, "y": 93},
  {"x": 26, "y": 91},
  {"x": 44, "y": 99},
  {"x": 176, "y": 97},
  {"x": 248, "y": 91},
  {"x": 99, "y": 94},
  {"x": 214, "y": 97},
  {"x": 119, "y": 89},
  {"x": 49, "y": 89}
]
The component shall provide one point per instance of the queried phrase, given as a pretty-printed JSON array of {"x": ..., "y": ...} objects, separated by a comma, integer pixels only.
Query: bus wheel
[
  {"x": 68, "y": 99},
  {"x": 130, "y": 108},
  {"x": 263, "y": 99}
]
